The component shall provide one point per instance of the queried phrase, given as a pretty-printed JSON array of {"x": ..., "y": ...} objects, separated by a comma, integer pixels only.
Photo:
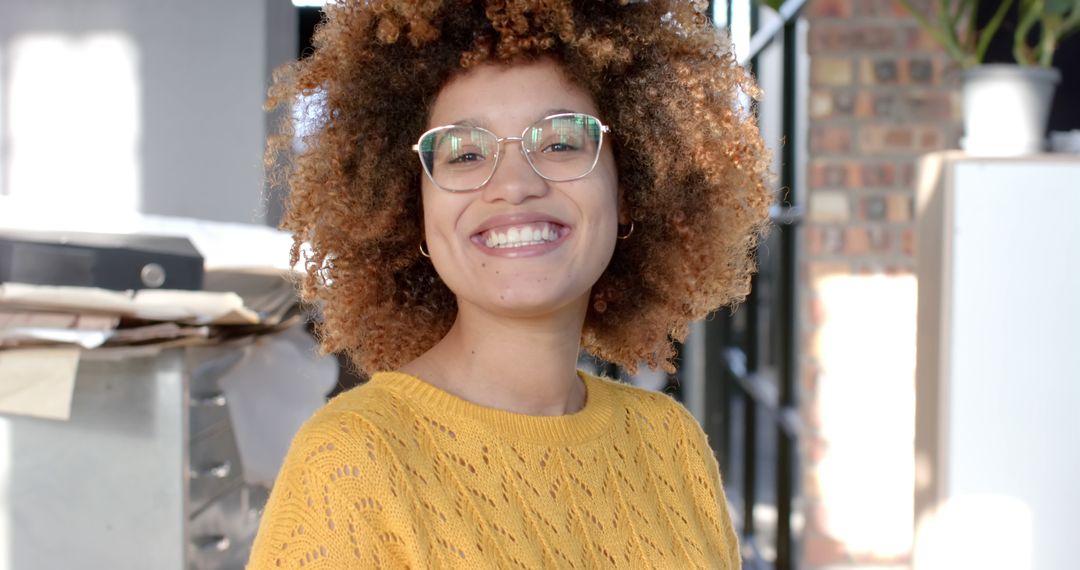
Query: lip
[
  {"x": 520, "y": 251},
  {"x": 517, "y": 219}
]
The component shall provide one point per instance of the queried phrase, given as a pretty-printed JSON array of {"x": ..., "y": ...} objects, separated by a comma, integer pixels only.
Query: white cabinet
[
  {"x": 998, "y": 373},
  {"x": 145, "y": 474}
]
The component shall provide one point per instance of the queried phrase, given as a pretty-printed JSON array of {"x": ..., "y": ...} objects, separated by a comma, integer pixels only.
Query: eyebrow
[{"x": 471, "y": 122}]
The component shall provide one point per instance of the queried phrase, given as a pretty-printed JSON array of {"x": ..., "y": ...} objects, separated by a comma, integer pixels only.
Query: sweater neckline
[{"x": 590, "y": 422}]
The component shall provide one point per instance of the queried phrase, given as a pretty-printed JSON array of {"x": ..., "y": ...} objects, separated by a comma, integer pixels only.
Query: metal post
[{"x": 788, "y": 365}]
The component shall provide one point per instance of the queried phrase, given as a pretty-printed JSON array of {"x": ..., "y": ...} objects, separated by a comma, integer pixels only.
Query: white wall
[{"x": 152, "y": 105}]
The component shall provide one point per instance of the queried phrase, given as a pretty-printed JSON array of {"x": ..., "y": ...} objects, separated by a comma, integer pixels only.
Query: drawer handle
[
  {"x": 212, "y": 543},
  {"x": 213, "y": 401},
  {"x": 219, "y": 471}
]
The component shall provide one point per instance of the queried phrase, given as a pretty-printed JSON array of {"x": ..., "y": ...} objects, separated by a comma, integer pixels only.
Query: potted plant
[{"x": 1005, "y": 106}]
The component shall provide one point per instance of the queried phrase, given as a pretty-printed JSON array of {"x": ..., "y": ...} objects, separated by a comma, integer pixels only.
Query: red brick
[
  {"x": 899, "y": 138},
  {"x": 815, "y": 175},
  {"x": 898, "y": 207},
  {"x": 921, "y": 70},
  {"x": 931, "y": 106},
  {"x": 907, "y": 242},
  {"x": 839, "y": 175},
  {"x": 832, "y": 71},
  {"x": 872, "y": 208},
  {"x": 828, "y": 9},
  {"x": 826, "y": 104},
  {"x": 829, "y": 206},
  {"x": 844, "y": 37},
  {"x": 832, "y": 174},
  {"x": 812, "y": 241},
  {"x": 883, "y": 71},
  {"x": 823, "y": 240},
  {"x": 877, "y": 175},
  {"x": 923, "y": 6},
  {"x": 880, "y": 239},
  {"x": 907, "y": 105},
  {"x": 843, "y": 103},
  {"x": 856, "y": 241},
  {"x": 907, "y": 172},
  {"x": 891, "y": 8},
  {"x": 895, "y": 139},
  {"x": 820, "y": 105},
  {"x": 915, "y": 38},
  {"x": 830, "y": 139},
  {"x": 932, "y": 138}
]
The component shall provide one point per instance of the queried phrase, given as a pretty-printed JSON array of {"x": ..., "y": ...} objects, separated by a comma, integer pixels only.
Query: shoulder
[
  {"x": 351, "y": 424},
  {"x": 647, "y": 405},
  {"x": 340, "y": 486}
]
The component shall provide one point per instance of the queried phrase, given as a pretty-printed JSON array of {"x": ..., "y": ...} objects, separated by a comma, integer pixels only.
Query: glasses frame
[{"x": 521, "y": 142}]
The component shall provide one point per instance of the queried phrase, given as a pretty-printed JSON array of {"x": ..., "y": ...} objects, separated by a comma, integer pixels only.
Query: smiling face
[{"x": 520, "y": 245}]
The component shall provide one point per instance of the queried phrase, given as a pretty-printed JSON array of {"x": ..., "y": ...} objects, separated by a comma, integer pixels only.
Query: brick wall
[{"x": 881, "y": 94}]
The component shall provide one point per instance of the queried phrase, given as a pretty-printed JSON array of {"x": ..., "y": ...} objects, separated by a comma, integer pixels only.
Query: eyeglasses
[{"x": 559, "y": 148}]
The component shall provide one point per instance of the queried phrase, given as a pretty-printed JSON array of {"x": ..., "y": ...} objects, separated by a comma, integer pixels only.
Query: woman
[{"x": 488, "y": 188}]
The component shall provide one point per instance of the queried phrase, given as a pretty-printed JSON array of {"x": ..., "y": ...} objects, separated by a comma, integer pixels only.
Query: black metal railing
[{"x": 751, "y": 360}]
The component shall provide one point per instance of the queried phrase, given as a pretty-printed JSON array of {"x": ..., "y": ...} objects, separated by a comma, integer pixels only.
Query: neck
[{"x": 522, "y": 365}]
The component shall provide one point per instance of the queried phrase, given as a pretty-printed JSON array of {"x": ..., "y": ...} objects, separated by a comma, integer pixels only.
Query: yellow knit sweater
[{"x": 400, "y": 474}]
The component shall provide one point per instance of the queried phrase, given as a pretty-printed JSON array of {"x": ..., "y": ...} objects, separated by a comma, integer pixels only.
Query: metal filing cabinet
[{"x": 145, "y": 474}]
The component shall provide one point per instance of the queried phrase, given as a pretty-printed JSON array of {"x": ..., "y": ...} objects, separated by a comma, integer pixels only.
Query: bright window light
[
  {"x": 74, "y": 127},
  {"x": 866, "y": 399}
]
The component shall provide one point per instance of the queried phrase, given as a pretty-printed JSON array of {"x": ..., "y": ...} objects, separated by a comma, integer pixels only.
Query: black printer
[{"x": 109, "y": 261}]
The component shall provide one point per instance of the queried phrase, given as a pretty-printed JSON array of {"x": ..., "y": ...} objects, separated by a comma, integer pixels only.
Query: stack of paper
[
  {"x": 241, "y": 301},
  {"x": 44, "y": 328}
]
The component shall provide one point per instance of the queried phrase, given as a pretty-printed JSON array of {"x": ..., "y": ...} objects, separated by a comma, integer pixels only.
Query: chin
[{"x": 522, "y": 301}]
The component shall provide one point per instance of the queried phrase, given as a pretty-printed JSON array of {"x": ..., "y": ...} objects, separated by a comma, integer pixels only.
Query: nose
[{"x": 514, "y": 179}]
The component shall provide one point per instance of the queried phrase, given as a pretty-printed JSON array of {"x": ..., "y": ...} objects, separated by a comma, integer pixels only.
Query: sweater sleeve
[
  {"x": 334, "y": 504},
  {"x": 710, "y": 487}
]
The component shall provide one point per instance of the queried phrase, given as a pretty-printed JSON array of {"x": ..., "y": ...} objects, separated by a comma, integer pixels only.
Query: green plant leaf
[
  {"x": 774, "y": 4},
  {"x": 1060, "y": 7}
]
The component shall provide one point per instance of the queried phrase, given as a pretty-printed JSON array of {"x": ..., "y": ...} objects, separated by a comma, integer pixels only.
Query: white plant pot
[{"x": 1006, "y": 108}]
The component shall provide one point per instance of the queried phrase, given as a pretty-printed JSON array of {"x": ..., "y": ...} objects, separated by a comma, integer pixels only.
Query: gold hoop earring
[
  {"x": 422, "y": 251},
  {"x": 629, "y": 232}
]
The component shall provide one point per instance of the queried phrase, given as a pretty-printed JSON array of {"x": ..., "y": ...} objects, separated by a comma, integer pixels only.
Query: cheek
[
  {"x": 434, "y": 205},
  {"x": 441, "y": 212}
]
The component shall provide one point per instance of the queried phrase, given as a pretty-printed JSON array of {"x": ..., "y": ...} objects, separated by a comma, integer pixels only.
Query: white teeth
[{"x": 522, "y": 236}]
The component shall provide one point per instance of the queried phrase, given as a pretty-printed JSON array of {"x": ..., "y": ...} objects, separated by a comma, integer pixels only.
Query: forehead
[{"x": 508, "y": 97}]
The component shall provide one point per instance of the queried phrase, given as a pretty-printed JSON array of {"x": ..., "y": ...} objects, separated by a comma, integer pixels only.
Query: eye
[
  {"x": 466, "y": 157},
  {"x": 557, "y": 142},
  {"x": 559, "y": 147}
]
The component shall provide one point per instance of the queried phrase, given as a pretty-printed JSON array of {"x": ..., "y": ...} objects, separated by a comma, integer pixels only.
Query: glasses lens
[
  {"x": 459, "y": 158},
  {"x": 563, "y": 147}
]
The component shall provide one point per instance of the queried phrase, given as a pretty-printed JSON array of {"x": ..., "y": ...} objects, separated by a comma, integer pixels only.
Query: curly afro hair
[{"x": 692, "y": 167}]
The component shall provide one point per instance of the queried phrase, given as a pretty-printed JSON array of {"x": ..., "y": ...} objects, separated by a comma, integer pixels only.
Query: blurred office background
[{"x": 111, "y": 110}]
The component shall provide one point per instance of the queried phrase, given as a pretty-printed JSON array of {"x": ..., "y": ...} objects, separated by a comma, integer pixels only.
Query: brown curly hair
[{"x": 691, "y": 164}]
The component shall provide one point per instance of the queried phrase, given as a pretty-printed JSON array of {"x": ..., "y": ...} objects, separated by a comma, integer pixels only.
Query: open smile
[
  {"x": 521, "y": 235},
  {"x": 521, "y": 239}
]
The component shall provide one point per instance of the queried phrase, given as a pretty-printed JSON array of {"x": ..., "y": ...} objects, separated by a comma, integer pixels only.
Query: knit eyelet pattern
[{"x": 400, "y": 474}]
